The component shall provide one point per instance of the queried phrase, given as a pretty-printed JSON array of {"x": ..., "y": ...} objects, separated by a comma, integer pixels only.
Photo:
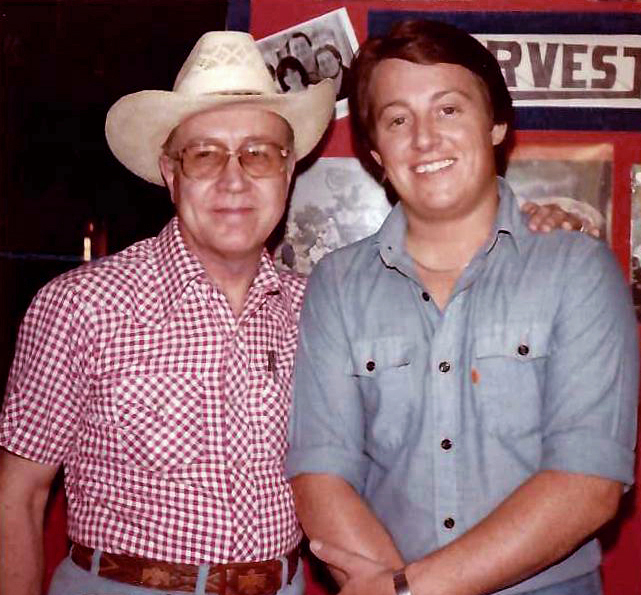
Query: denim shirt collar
[{"x": 390, "y": 238}]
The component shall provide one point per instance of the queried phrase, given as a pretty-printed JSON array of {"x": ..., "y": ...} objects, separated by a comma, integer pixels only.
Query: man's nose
[
  {"x": 233, "y": 177},
  {"x": 426, "y": 133}
]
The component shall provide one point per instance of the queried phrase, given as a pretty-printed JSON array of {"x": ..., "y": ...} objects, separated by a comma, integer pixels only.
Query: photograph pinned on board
[
  {"x": 335, "y": 202},
  {"x": 305, "y": 54},
  {"x": 575, "y": 176}
]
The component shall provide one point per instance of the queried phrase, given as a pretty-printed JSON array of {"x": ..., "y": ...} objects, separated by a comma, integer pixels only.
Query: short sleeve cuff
[
  {"x": 574, "y": 451},
  {"x": 330, "y": 460}
]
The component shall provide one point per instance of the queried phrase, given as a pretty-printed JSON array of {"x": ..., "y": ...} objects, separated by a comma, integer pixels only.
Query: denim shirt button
[
  {"x": 444, "y": 367},
  {"x": 446, "y": 444},
  {"x": 449, "y": 523},
  {"x": 425, "y": 296},
  {"x": 370, "y": 365},
  {"x": 523, "y": 349}
]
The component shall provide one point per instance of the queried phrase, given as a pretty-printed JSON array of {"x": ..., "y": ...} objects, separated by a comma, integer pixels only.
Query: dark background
[{"x": 62, "y": 65}]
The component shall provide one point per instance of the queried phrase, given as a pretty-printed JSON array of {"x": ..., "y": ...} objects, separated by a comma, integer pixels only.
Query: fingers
[
  {"x": 545, "y": 218},
  {"x": 593, "y": 230}
]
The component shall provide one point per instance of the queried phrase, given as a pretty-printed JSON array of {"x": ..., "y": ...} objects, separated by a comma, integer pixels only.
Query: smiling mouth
[
  {"x": 232, "y": 210},
  {"x": 432, "y": 166}
]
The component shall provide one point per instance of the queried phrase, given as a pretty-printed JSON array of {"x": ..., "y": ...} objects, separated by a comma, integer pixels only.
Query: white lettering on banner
[{"x": 569, "y": 70}]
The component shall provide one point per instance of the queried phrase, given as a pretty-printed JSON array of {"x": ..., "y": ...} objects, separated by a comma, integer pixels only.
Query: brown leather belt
[{"x": 243, "y": 578}]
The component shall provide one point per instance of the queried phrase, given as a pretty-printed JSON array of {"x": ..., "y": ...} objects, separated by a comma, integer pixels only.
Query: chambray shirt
[{"x": 435, "y": 417}]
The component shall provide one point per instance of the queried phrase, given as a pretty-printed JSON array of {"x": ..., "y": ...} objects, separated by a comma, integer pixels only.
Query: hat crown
[{"x": 225, "y": 62}]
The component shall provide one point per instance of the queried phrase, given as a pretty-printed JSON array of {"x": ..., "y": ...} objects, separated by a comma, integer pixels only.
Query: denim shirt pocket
[
  {"x": 508, "y": 376},
  {"x": 160, "y": 420},
  {"x": 383, "y": 368}
]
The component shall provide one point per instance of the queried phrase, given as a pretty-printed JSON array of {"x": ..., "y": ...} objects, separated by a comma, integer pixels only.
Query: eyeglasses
[{"x": 207, "y": 159}]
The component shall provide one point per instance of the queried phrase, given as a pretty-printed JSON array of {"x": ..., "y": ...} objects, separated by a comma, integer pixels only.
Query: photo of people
[
  {"x": 311, "y": 51},
  {"x": 335, "y": 202}
]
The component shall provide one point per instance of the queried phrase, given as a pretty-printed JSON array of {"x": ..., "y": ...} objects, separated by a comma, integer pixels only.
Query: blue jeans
[{"x": 70, "y": 579}]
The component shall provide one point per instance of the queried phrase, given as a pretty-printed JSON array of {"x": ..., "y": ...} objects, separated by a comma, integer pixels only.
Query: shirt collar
[
  {"x": 509, "y": 218},
  {"x": 175, "y": 267},
  {"x": 509, "y": 221},
  {"x": 391, "y": 237}
]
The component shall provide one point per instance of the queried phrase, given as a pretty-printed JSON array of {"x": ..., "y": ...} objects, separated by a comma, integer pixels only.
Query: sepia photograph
[{"x": 576, "y": 176}]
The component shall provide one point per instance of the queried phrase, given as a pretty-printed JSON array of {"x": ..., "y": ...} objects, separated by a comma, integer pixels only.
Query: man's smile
[{"x": 432, "y": 166}]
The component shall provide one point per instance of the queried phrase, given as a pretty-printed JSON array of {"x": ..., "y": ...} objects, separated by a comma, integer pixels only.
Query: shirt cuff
[
  {"x": 330, "y": 460},
  {"x": 574, "y": 451}
]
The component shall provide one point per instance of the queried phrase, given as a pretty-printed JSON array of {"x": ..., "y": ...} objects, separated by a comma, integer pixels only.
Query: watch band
[{"x": 401, "y": 586}]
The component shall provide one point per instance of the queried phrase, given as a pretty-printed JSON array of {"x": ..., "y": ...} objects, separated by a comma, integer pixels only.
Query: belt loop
[
  {"x": 95, "y": 561},
  {"x": 201, "y": 581},
  {"x": 285, "y": 579}
]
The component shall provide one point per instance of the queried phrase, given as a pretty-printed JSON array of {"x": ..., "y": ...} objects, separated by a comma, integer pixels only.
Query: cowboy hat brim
[{"x": 137, "y": 125}]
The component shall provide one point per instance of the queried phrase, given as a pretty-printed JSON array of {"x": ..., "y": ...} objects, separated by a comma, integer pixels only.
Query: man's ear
[
  {"x": 166, "y": 165},
  {"x": 498, "y": 133},
  {"x": 376, "y": 157}
]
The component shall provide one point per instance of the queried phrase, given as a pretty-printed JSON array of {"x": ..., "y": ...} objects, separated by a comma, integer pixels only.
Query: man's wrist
[{"x": 401, "y": 586}]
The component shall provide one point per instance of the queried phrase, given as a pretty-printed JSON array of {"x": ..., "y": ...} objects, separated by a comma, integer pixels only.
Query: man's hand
[
  {"x": 364, "y": 576},
  {"x": 545, "y": 218}
]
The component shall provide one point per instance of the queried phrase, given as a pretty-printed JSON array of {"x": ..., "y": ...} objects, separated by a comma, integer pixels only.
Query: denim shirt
[{"x": 436, "y": 416}]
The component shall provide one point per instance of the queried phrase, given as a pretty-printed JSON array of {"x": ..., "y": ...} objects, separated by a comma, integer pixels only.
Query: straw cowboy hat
[{"x": 225, "y": 67}]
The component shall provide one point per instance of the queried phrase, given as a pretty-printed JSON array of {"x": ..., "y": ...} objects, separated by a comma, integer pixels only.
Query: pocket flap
[
  {"x": 371, "y": 356},
  {"x": 519, "y": 340}
]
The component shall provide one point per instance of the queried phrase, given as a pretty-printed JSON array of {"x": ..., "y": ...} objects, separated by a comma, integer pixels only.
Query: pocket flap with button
[
  {"x": 371, "y": 357},
  {"x": 513, "y": 340}
]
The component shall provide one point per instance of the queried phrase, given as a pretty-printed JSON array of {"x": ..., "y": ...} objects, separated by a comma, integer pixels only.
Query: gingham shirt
[{"x": 168, "y": 413}]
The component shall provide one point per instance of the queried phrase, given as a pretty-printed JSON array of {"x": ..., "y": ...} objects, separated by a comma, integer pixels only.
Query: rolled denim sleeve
[
  {"x": 591, "y": 392},
  {"x": 326, "y": 425}
]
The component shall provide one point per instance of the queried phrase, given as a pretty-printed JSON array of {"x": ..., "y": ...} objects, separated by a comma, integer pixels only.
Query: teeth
[{"x": 429, "y": 168}]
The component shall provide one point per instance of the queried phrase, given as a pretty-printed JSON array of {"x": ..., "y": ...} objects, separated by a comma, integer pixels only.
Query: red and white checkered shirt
[{"x": 169, "y": 414}]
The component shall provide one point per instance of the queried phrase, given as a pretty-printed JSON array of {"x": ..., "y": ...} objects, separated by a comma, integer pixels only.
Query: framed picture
[{"x": 576, "y": 176}]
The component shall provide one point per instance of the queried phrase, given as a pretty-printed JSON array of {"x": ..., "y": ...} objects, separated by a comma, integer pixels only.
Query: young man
[
  {"x": 160, "y": 376},
  {"x": 464, "y": 410}
]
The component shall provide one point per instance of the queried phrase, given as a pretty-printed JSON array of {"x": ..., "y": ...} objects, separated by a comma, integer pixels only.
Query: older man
[
  {"x": 160, "y": 377},
  {"x": 464, "y": 409}
]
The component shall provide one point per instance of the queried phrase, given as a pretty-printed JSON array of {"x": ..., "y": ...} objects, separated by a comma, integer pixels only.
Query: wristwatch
[{"x": 401, "y": 586}]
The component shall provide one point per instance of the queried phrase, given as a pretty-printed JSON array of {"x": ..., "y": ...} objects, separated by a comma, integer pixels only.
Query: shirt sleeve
[
  {"x": 326, "y": 430},
  {"x": 48, "y": 379},
  {"x": 592, "y": 375}
]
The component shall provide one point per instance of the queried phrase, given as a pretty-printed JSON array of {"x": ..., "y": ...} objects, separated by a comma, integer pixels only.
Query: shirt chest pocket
[
  {"x": 160, "y": 420},
  {"x": 508, "y": 376},
  {"x": 383, "y": 369}
]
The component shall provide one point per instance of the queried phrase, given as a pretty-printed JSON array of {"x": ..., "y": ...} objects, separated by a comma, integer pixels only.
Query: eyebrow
[{"x": 435, "y": 97}]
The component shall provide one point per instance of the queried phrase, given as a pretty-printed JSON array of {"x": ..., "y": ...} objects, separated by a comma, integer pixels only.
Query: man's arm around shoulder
[{"x": 24, "y": 489}]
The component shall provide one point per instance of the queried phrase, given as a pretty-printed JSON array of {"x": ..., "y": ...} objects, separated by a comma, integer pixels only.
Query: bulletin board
[{"x": 574, "y": 71}]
